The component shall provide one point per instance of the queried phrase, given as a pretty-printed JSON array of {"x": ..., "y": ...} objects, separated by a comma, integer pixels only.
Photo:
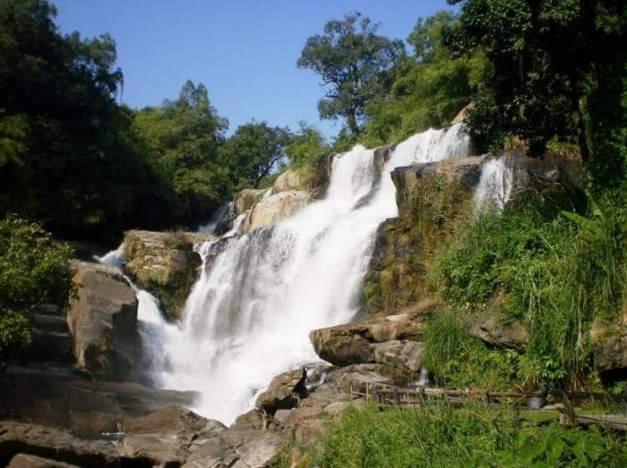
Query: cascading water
[
  {"x": 260, "y": 294},
  {"x": 496, "y": 183}
]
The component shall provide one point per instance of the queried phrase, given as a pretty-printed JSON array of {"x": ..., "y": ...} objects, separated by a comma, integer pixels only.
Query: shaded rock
[
  {"x": 165, "y": 264},
  {"x": 284, "y": 391},
  {"x": 103, "y": 322},
  {"x": 22, "y": 460},
  {"x": 246, "y": 199},
  {"x": 382, "y": 154},
  {"x": 351, "y": 343},
  {"x": 609, "y": 342},
  {"x": 21, "y": 438},
  {"x": 166, "y": 435},
  {"x": 58, "y": 398},
  {"x": 400, "y": 353},
  {"x": 304, "y": 424},
  {"x": 275, "y": 208}
]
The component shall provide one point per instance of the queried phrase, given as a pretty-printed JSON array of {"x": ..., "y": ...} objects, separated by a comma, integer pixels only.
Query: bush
[
  {"x": 475, "y": 435},
  {"x": 559, "y": 271},
  {"x": 34, "y": 269},
  {"x": 458, "y": 360}
]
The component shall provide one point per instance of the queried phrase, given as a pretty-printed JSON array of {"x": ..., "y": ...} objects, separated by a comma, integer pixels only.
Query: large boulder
[
  {"x": 275, "y": 208},
  {"x": 165, "y": 264},
  {"x": 489, "y": 326},
  {"x": 290, "y": 180},
  {"x": 403, "y": 354},
  {"x": 167, "y": 435},
  {"x": 354, "y": 343},
  {"x": 284, "y": 391},
  {"x": 23, "y": 460},
  {"x": 102, "y": 319},
  {"x": 246, "y": 199},
  {"x": 60, "y": 398}
]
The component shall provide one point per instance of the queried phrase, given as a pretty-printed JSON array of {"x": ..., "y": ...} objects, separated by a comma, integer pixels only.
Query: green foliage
[
  {"x": 458, "y": 360},
  {"x": 428, "y": 88},
  {"x": 352, "y": 61},
  {"x": 33, "y": 269},
  {"x": 307, "y": 154},
  {"x": 555, "y": 69},
  {"x": 181, "y": 139},
  {"x": 558, "y": 277},
  {"x": 439, "y": 435},
  {"x": 254, "y": 151}
]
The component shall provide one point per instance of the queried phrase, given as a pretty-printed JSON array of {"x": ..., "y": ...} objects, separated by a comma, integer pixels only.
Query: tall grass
[{"x": 471, "y": 436}]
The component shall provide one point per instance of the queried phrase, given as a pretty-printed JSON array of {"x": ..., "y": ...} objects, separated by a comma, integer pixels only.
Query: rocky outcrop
[
  {"x": 52, "y": 341},
  {"x": 464, "y": 170},
  {"x": 168, "y": 435},
  {"x": 290, "y": 180},
  {"x": 103, "y": 322},
  {"x": 489, "y": 327},
  {"x": 23, "y": 460},
  {"x": 284, "y": 392},
  {"x": 45, "y": 442},
  {"x": 393, "y": 339},
  {"x": 246, "y": 199},
  {"x": 165, "y": 264},
  {"x": 65, "y": 399},
  {"x": 463, "y": 114},
  {"x": 275, "y": 208}
]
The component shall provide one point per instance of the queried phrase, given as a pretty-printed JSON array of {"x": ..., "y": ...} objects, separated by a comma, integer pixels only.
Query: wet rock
[
  {"x": 166, "y": 435},
  {"x": 45, "y": 442},
  {"x": 403, "y": 354},
  {"x": 275, "y": 208},
  {"x": 103, "y": 322},
  {"x": 462, "y": 115},
  {"x": 284, "y": 392},
  {"x": 246, "y": 199},
  {"x": 22, "y": 460},
  {"x": 165, "y": 264},
  {"x": 382, "y": 155}
]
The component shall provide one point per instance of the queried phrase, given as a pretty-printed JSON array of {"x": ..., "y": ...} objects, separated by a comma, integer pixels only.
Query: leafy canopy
[{"x": 353, "y": 61}]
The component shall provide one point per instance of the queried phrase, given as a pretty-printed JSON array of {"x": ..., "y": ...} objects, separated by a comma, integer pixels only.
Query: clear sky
[{"x": 244, "y": 51}]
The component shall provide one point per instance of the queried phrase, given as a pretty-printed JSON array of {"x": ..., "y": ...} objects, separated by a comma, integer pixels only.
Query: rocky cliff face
[{"x": 165, "y": 264}]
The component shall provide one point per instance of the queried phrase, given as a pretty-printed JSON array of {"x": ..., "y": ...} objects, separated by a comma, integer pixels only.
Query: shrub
[
  {"x": 34, "y": 269},
  {"x": 559, "y": 270},
  {"x": 458, "y": 360}
]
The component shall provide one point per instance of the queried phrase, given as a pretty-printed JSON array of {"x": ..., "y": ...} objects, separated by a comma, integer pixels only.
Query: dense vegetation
[
  {"x": 34, "y": 269},
  {"x": 443, "y": 436}
]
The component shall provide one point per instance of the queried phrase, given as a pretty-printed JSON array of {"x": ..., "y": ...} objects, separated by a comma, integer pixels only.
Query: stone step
[{"x": 48, "y": 309}]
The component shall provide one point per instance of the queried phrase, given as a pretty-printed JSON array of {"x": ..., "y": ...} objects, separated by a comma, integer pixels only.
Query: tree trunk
[{"x": 351, "y": 120}]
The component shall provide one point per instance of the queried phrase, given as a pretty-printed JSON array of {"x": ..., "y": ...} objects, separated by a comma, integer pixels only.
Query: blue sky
[{"x": 244, "y": 51}]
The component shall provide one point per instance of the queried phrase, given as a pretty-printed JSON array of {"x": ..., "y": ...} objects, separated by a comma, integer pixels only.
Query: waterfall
[
  {"x": 259, "y": 294},
  {"x": 495, "y": 184}
]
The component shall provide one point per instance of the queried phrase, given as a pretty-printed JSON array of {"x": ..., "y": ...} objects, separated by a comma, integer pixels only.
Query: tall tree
[
  {"x": 182, "y": 139},
  {"x": 550, "y": 63},
  {"x": 352, "y": 60},
  {"x": 254, "y": 150}
]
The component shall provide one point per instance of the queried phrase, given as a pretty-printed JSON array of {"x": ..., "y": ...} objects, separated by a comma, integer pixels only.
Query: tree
[
  {"x": 549, "y": 63},
  {"x": 182, "y": 139},
  {"x": 352, "y": 61},
  {"x": 429, "y": 87},
  {"x": 254, "y": 151}
]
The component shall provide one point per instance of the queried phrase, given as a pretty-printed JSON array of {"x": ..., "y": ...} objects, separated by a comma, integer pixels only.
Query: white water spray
[{"x": 259, "y": 295}]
